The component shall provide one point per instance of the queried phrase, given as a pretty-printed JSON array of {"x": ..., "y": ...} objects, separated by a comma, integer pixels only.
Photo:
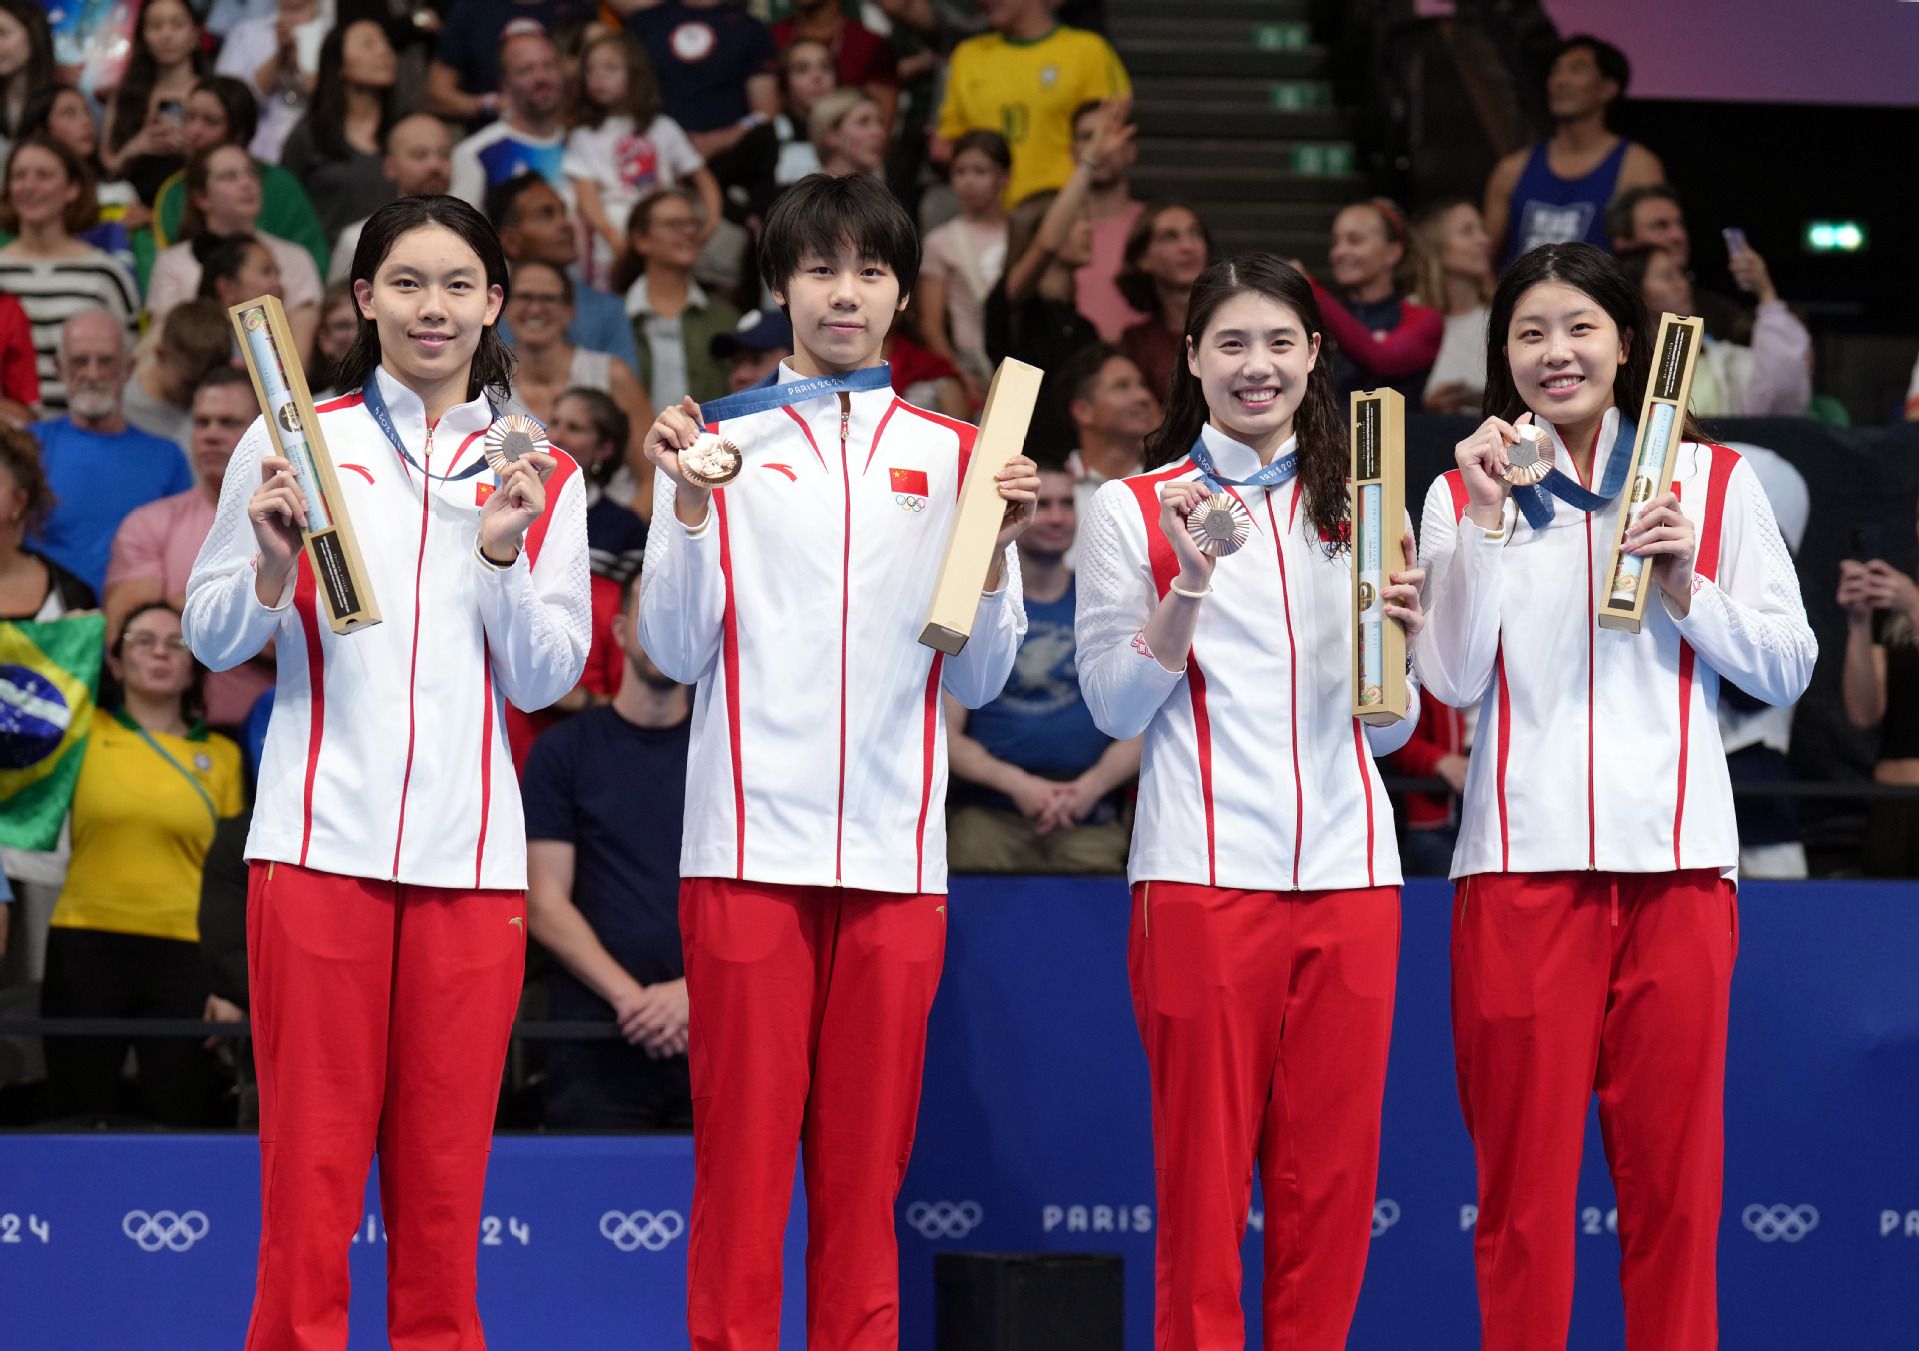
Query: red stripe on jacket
[
  {"x": 305, "y": 603},
  {"x": 730, "y": 661},
  {"x": 1705, "y": 564}
]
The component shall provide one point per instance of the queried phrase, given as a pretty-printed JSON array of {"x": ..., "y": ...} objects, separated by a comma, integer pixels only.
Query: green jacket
[
  {"x": 284, "y": 211},
  {"x": 707, "y": 377}
]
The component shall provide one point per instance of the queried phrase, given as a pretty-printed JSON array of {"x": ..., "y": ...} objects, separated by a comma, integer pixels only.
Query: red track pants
[
  {"x": 381, "y": 1015},
  {"x": 1567, "y": 983},
  {"x": 1266, "y": 1018},
  {"x": 808, "y": 1033}
]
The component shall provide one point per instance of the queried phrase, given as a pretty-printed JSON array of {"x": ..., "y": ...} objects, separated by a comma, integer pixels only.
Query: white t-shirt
[
  {"x": 248, "y": 47},
  {"x": 1462, "y": 352},
  {"x": 176, "y": 277},
  {"x": 626, "y": 167},
  {"x": 969, "y": 257}
]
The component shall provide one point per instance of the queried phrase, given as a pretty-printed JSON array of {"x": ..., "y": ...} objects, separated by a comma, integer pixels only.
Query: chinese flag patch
[
  {"x": 910, "y": 481},
  {"x": 481, "y": 491}
]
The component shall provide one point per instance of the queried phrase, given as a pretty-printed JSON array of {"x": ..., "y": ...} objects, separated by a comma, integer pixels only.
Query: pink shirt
[
  {"x": 1099, "y": 297},
  {"x": 160, "y": 540}
]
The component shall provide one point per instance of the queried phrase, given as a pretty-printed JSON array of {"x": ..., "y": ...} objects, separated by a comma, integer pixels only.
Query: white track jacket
[
  {"x": 386, "y": 756},
  {"x": 819, "y": 747},
  {"x": 1256, "y": 775},
  {"x": 1599, "y": 749}
]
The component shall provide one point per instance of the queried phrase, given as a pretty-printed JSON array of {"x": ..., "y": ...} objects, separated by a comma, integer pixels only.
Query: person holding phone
[
  {"x": 146, "y": 136},
  {"x": 1880, "y": 686}
]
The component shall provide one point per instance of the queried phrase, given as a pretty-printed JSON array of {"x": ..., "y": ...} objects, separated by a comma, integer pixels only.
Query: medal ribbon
[
  {"x": 1538, "y": 510},
  {"x": 376, "y": 405},
  {"x": 771, "y": 394},
  {"x": 1270, "y": 475}
]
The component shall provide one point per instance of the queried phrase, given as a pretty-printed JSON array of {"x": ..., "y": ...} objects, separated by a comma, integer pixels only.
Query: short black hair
[
  {"x": 990, "y": 144},
  {"x": 1081, "y": 371},
  {"x": 221, "y": 257},
  {"x": 221, "y": 376},
  {"x": 820, "y": 213},
  {"x": 243, "y": 114},
  {"x": 503, "y": 199},
  {"x": 1621, "y": 210},
  {"x": 1611, "y": 61}
]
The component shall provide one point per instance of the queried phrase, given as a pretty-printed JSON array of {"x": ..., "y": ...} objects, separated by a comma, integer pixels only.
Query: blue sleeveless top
[{"x": 1548, "y": 209}]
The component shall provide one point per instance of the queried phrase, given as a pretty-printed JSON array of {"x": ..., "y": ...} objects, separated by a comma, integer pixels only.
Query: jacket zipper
[
  {"x": 413, "y": 667},
  {"x": 1292, "y": 662},
  {"x": 846, "y": 589}
]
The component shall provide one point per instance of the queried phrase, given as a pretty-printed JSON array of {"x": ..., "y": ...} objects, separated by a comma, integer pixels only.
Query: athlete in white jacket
[
  {"x": 1594, "y": 922},
  {"x": 813, "y": 907},
  {"x": 386, "y": 908},
  {"x": 1265, "y": 874}
]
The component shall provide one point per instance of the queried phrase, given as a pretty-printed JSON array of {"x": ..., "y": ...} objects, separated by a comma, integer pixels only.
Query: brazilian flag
[{"x": 49, "y": 674}]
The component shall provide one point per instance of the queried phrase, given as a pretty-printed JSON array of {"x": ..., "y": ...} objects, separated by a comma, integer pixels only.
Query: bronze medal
[
  {"x": 512, "y": 437},
  {"x": 1530, "y": 458},
  {"x": 1219, "y": 525},
  {"x": 711, "y": 462}
]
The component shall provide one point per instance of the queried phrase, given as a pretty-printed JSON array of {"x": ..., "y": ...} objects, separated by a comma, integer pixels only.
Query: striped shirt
[{"x": 52, "y": 291}]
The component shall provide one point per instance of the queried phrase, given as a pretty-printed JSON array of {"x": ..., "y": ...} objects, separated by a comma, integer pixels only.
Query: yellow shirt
[
  {"x": 1027, "y": 91},
  {"x": 141, "y": 832}
]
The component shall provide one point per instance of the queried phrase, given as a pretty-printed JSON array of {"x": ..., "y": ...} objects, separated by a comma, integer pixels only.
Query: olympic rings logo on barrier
[
  {"x": 1385, "y": 1215},
  {"x": 945, "y": 1219},
  {"x": 1769, "y": 1224},
  {"x": 641, "y": 1229},
  {"x": 164, "y": 1229}
]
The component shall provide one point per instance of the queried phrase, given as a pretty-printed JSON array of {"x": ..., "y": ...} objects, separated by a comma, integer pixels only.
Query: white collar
[
  {"x": 1236, "y": 459},
  {"x": 1608, "y": 437},
  {"x": 408, "y": 412}
]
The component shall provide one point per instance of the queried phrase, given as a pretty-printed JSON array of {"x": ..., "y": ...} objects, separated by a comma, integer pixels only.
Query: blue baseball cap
[{"x": 758, "y": 330}]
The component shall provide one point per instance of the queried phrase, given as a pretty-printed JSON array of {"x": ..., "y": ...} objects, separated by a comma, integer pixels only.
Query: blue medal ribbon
[
  {"x": 376, "y": 405},
  {"x": 1537, "y": 508},
  {"x": 1270, "y": 475},
  {"x": 769, "y": 393}
]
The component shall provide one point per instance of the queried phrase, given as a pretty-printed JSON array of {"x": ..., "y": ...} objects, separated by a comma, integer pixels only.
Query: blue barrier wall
[{"x": 1035, "y": 1134}]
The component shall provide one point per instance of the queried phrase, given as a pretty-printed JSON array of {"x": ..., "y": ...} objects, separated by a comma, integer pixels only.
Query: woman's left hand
[
  {"x": 1402, "y": 595},
  {"x": 1663, "y": 534},
  {"x": 514, "y": 505}
]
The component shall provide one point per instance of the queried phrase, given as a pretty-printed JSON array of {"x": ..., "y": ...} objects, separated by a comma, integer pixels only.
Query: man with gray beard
[{"x": 98, "y": 467}]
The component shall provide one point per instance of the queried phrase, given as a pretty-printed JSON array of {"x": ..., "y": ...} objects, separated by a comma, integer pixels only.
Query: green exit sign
[
  {"x": 1835, "y": 236},
  {"x": 1282, "y": 37}
]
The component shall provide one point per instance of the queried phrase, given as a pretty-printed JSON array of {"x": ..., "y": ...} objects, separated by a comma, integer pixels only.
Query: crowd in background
[{"x": 627, "y": 166}]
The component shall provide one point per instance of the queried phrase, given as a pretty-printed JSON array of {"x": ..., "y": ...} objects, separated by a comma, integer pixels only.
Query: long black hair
[
  {"x": 326, "y": 115},
  {"x": 142, "y": 73},
  {"x": 493, "y": 361},
  {"x": 1324, "y": 454},
  {"x": 39, "y": 74},
  {"x": 1593, "y": 273}
]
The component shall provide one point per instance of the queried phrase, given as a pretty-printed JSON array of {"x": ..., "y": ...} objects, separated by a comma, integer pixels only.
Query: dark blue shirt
[
  {"x": 617, "y": 794},
  {"x": 1040, "y": 721},
  {"x": 99, "y": 478},
  {"x": 470, "y": 37},
  {"x": 704, "y": 57}
]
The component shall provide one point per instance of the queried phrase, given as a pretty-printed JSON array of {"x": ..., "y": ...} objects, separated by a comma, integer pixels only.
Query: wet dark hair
[
  {"x": 326, "y": 115},
  {"x": 243, "y": 114},
  {"x": 1594, "y": 273},
  {"x": 221, "y": 257},
  {"x": 193, "y": 699},
  {"x": 1612, "y": 62},
  {"x": 820, "y": 213},
  {"x": 988, "y": 143},
  {"x": 1134, "y": 285},
  {"x": 38, "y": 74},
  {"x": 493, "y": 361},
  {"x": 1324, "y": 456}
]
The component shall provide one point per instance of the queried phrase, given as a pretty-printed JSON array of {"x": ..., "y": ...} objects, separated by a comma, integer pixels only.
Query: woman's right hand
[
  {"x": 1176, "y": 502},
  {"x": 278, "y": 511},
  {"x": 1482, "y": 460},
  {"x": 675, "y": 430}
]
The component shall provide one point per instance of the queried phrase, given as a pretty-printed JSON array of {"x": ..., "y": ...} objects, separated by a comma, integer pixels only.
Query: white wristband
[{"x": 1179, "y": 590}]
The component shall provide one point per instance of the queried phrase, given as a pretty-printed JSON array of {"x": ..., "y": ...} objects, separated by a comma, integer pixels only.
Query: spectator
[
  {"x": 594, "y": 430},
  {"x": 418, "y": 163},
  {"x": 1912, "y": 395},
  {"x": 920, "y": 376},
  {"x": 606, "y": 793},
  {"x": 145, "y": 137},
  {"x": 1111, "y": 410},
  {"x": 1453, "y": 273},
  {"x": 196, "y": 339},
  {"x": 98, "y": 467},
  {"x": 336, "y": 149},
  {"x": 224, "y": 200},
  {"x": 1557, "y": 189},
  {"x": 532, "y": 221},
  {"x": 847, "y": 134},
  {"x": 528, "y": 135},
  {"x": 1771, "y": 378},
  {"x": 1167, "y": 249},
  {"x": 220, "y": 111},
  {"x": 540, "y": 306},
  {"x": 26, "y": 64},
  {"x": 807, "y": 71},
  {"x": 964, "y": 258},
  {"x": 1379, "y": 339},
  {"x": 464, "y": 82},
  {"x": 1112, "y": 208},
  {"x": 32, "y": 585},
  {"x": 674, "y": 320},
  {"x": 1651, "y": 214},
  {"x": 125, "y": 936},
  {"x": 1028, "y": 77},
  {"x": 622, "y": 146},
  {"x": 154, "y": 548},
  {"x": 235, "y": 268},
  {"x": 753, "y": 351},
  {"x": 55, "y": 276},
  {"x": 1035, "y": 783},
  {"x": 862, "y": 58},
  {"x": 1440, "y": 748},
  {"x": 715, "y": 62},
  {"x": 277, "y": 57},
  {"x": 64, "y": 114},
  {"x": 333, "y": 339},
  {"x": 1882, "y": 661},
  {"x": 19, "y": 369}
]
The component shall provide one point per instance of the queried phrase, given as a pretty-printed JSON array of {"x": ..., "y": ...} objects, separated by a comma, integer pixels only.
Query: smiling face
[
  {"x": 38, "y": 186},
  {"x": 841, "y": 308},
  {"x": 69, "y": 123},
  {"x": 1565, "y": 353},
  {"x": 167, "y": 28},
  {"x": 1363, "y": 251},
  {"x": 538, "y": 310},
  {"x": 430, "y": 301},
  {"x": 154, "y": 661},
  {"x": 1252, "y": 363},
  {"x": 672, "y": 233},
  {"x": 1176, "y": 252}
]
